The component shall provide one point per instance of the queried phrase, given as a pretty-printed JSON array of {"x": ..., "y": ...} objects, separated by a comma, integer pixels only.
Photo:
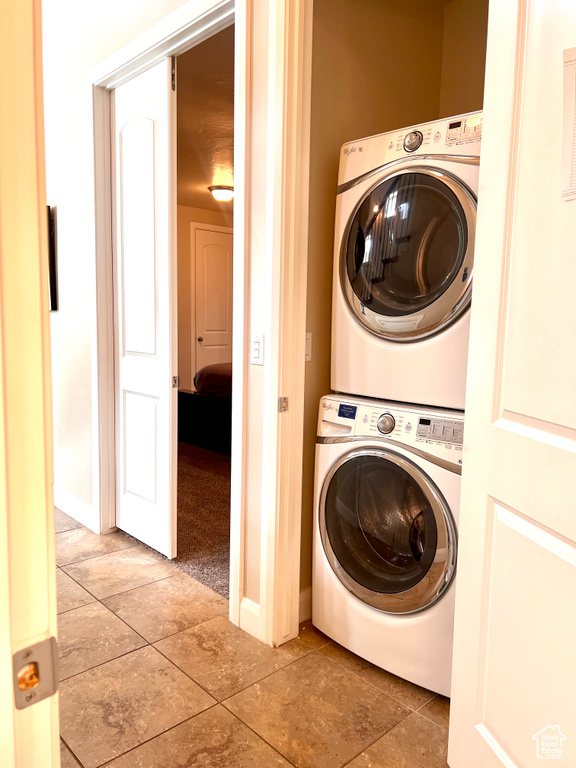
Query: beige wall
[
  {"x": 185, "y": 216},
  {"x": 463, "y": 57},
  {"x": 375, "y": 67}
]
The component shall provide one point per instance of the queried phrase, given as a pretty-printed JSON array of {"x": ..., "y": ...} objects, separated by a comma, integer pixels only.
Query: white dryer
[
  {"x": 403, "y": 262},
  {"x": 387, "y": 496}
]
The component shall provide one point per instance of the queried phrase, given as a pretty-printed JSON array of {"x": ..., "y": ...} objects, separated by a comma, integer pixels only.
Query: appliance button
[
  {"x": 412, "y": 141},
  {"x": 386, "y": 423}
]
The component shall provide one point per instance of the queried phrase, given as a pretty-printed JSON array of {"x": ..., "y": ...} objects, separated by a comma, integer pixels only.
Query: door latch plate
[{"x": 35, "y": 672}]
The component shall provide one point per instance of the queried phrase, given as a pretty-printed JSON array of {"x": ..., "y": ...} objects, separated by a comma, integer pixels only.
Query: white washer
[
  {"x": 385, "y": 533},
  {"x": 403, "y": 262}
]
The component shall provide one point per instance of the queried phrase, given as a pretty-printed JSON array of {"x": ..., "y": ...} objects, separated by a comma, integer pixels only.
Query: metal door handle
[{"x": 200, "y": 338}]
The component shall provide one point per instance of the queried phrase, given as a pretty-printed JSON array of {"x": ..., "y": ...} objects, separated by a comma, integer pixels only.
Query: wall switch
[
  {"x": 308, "y": 353},
  {"x": 257, "y": 349}
]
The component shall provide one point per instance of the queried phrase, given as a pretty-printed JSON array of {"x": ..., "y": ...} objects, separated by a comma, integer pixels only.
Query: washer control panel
[
  {"x": 441, "y": 430},
  {"x": 432, "y": 431}
]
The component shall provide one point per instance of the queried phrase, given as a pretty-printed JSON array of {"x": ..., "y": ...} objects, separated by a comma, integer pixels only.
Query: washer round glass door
[
  {"x": 387, "y": 531},
  {"x": 407, "y": 254}
]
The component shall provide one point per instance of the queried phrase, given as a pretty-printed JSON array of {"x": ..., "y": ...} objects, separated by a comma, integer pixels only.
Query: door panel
[
  {"x": 515, "y": 630},
  {"x": 145, "y": 311},
  {"x": 138, "y": 253},
  {"x": 213, "y": 297}
]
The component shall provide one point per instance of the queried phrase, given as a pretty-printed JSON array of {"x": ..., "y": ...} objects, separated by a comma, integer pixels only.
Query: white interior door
[
  {"x": 144, "y": 141},
  {"x": 514, "y": 671},
  {"x": 213, "y": 289}
]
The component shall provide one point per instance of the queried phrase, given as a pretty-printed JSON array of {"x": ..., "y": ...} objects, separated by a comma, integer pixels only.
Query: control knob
[
  {"x": 386, "y": 423},
  {"x": 412, "y": 141}
]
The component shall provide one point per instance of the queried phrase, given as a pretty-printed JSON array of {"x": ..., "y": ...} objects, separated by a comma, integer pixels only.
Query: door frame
[
  {"x": 29, "y": 736},
  {"x": 194, "y": 225},
  {"x": 289, "y": 35}
]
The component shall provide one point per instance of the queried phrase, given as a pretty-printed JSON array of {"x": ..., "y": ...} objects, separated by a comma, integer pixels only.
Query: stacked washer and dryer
[{"x": 389, "y": 443}]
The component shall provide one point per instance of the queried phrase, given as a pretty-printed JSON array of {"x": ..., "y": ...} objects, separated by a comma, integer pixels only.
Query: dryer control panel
[
  {"x": 460, "y": 135},
  {"x": 435, "y": 432}
]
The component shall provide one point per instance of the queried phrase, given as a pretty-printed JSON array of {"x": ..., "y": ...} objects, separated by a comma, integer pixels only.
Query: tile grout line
[
  {"x": 95, "y": 557},
  {"x": 185, "y": 673},
  {"x": 152, "y": 738},
  {"x": 187, "y": 720},
  {"x": 260, "y": 679},
  {"x": 403, "y": 704},
  {"x": 165, "y": 578},
  {"x": 71, "y": 751},
  {"x": 378, "y": 739},
  {"x": 447, "y": 729},
  {"x": 411, "y": 712},
  {"x": 108, "y": 661},
  {"x": 115, "y": 594}
]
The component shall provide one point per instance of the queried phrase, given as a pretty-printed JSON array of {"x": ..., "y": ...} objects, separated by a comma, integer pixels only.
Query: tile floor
[{"x": 153, "y": 675}]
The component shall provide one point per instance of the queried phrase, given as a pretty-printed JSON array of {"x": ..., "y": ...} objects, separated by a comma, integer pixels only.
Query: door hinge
[
  {"x": 36, "y": 673},
  {"x": 282, "y": 404},
  {"x": 175, "y": 382},
  {"x": 173, "y": 73}
]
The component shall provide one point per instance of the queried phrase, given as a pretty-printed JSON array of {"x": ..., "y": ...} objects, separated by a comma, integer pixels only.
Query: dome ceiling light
[{"x": 222, "y": 194}]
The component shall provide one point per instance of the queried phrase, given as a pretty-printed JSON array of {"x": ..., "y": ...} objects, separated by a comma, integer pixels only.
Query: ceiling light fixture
[{"x": 222, "y": 194}]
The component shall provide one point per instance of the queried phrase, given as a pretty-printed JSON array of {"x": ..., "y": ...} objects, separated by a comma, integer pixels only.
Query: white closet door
[
  {"x": 213, "y": 253},
  {"x": 514, "y": 674},
  {"x": 144, "y": 123}
]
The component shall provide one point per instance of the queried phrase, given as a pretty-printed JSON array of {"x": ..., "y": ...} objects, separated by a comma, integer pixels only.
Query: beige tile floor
[{"x": 153, "y": 675}]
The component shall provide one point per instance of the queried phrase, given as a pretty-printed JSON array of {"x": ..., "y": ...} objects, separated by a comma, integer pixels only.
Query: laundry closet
[{"x": 377, "y": 66}]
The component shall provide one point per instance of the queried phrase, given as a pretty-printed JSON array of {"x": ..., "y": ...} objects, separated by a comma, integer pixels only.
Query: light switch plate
[
  {"x": 257, "y": 349},
  {"x": 308, "y": 353}
]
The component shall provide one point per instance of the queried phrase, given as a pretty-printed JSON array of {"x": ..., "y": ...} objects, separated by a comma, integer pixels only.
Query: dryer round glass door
[
  {"x": 407, "y": 254},
  {"x": 387, "y": 531}
]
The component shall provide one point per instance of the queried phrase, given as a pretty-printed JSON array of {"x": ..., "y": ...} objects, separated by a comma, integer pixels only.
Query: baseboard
[
  {"x": 76, "y": 508},
  {"x": 305, "y": 604},
  {"x": 250, "y": 617}
]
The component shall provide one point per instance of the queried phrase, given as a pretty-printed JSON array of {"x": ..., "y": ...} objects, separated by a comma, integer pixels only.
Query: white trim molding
[
  {"x": 249, "y": 616},
  {"x": 288, "y": 133}
]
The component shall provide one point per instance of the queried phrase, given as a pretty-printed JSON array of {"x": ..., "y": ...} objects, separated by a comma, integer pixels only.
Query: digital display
[
  {"x": 347, "y": 411},
  {"x": 455, "y": 125},
  {"x": 425, "y": 422}
]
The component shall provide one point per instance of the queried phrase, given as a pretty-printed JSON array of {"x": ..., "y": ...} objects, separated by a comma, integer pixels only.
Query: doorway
[
  {"x": 205, "y": 158},
  {"x": 173, "y": 142}
]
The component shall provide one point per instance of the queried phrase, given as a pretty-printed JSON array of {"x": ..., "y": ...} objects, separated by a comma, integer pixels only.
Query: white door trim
[
  {"x": 288, "y": 72},
  {"x": 194, "y": 225},
  {"x": 288, "y": 147}
]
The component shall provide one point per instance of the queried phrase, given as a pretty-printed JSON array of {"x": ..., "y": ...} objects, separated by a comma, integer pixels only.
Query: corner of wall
[{"x": 76, "y": 508}]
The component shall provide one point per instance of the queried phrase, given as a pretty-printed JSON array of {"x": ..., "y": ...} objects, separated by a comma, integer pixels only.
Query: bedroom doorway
[{"x": 205, "y": 154}]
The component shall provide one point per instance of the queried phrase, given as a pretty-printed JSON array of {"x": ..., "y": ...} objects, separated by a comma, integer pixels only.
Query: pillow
[{"x": 214, "y": 380}]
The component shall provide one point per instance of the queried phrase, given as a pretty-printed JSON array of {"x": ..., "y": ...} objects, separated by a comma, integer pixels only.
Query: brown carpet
[{"x": 204, "y": 516}]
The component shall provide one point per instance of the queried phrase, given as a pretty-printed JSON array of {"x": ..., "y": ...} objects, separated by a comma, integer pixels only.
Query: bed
[{"x": 205, "y": 416}]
